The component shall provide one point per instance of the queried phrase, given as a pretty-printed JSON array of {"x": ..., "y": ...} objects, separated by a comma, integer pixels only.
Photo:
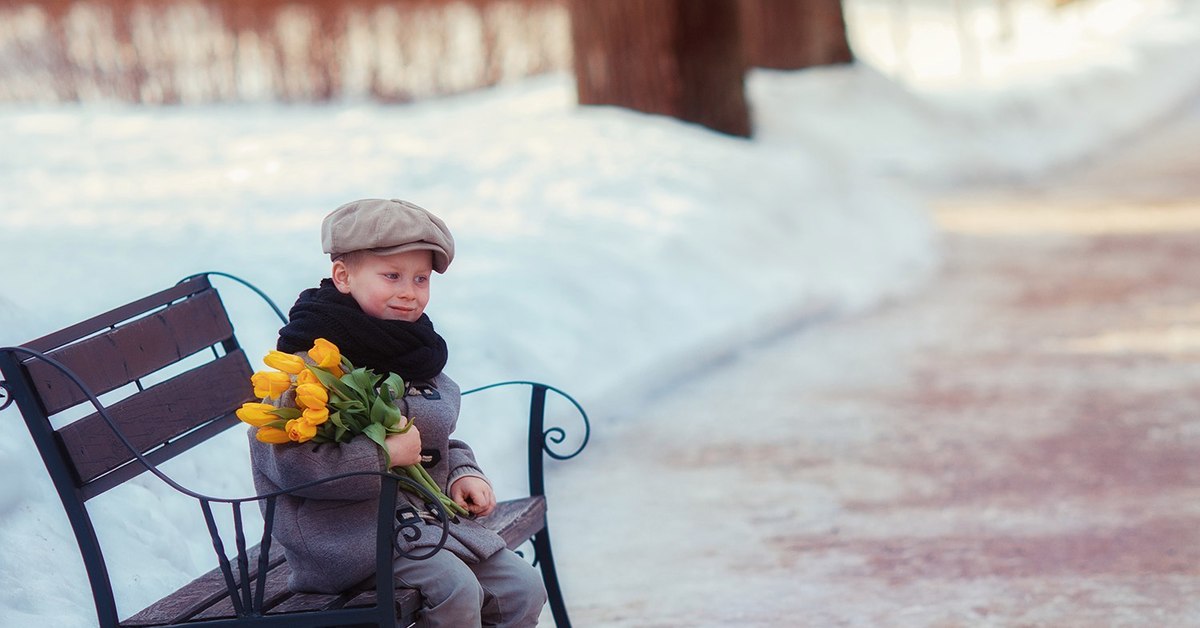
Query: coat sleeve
[
  {"x": 462, "y": 462},
  {"x": 291, "y": 465}
]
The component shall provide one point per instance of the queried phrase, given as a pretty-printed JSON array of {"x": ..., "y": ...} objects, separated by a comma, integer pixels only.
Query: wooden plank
[
  {"x": 157, "y": 414},
  {"x": 517, "y": 520},
  {"x": 195, "y": 596},
  {"x": 210, "y": 589},
  {"x": 408, "y": 602},
  {"x": 115, "y": 358},
  {"x": 275, "y": 592},
  {"x": 156, "y": 457},
  {"x": 300, "y": 602},
  {"x": 114, "y": 316}
]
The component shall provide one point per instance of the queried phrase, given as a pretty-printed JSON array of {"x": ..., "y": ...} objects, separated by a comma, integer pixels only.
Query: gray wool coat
[{"x": 328, "y": 531}]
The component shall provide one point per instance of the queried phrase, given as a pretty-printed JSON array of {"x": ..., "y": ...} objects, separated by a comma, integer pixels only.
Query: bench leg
[{"x": 545, "y": 560}]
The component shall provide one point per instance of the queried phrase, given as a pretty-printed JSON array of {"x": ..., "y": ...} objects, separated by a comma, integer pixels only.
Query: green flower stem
[
  {"x": 421, "y": 476},
  {"x": 450, "y": 503},
  {"x": 429, "y": 479}
]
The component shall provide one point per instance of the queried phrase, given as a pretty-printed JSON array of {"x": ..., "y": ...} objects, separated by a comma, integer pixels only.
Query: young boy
[{"x": 372, "y": 307}]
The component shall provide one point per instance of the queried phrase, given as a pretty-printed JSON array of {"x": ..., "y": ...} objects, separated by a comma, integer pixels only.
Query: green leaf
[
  {"x": 393, "y": 387},
  {"x": 392, "y": 417},
  {"x": 349, "y": 407},
  {"x": 334, "y": 384},
  {"x": 286, "y": 413},
  {"x": 351, "y": 414},
  {"x": 379, "y": 412},
  {"x": 392, "y": 420},
  {"x": 282, "y": 425},
  {"x": 376, "y": 433},
  {"x": 359, "y": 392},
  {"x": 357, "y": 420},
  {"x": 364, "y": 381}
]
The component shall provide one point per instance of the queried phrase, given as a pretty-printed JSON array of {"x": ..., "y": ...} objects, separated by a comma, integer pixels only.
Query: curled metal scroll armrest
[{"x": 408, "y": 520}]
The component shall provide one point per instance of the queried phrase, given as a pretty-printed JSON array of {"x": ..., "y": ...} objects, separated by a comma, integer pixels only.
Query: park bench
[{"x": 163, "y": 335}]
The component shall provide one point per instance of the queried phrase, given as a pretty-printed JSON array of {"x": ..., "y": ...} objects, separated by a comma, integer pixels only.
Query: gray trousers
[{"x": 503, "y": 591}]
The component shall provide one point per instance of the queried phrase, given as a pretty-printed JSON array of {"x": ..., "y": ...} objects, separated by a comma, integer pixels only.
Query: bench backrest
[
  {"x": 125, "y": 347},
  {"x": 175, "y": 354}
]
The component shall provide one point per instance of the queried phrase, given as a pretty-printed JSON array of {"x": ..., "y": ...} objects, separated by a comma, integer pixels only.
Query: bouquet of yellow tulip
[{"x": 334, "y": 403}]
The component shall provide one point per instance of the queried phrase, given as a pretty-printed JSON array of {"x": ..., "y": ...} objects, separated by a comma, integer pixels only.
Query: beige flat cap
[{"x": 386, "y": 226}]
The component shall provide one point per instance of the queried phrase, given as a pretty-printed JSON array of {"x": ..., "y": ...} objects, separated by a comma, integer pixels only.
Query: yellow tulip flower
[
  {"x": 325, "y": 354},
  {"x": 286, "y": 362},
  {"x": 300, "y": 430},
  {"x": 311, "y": 396},
  {"x": 307, "y": 377},
  {"x": 272, "y": 435},
  {"x": 270, "y": 383},
  {"x": 316, "y": 416},
  {"x": 256, "y": 414}
]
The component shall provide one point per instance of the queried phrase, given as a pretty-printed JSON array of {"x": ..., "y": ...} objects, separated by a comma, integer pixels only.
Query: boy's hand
[
  {"x": 404, "y": 449},
  {"x": 474, "y": 494}
]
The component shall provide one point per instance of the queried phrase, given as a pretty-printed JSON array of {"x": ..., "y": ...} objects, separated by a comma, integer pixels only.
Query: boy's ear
[{"x": 341, "y": 276}]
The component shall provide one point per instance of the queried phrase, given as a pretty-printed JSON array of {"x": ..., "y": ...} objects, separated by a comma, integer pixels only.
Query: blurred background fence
[
  {"x": 194, "y": 51},
  {"x": 980, "y": 42},
  {"x": 187, "y": 51}
]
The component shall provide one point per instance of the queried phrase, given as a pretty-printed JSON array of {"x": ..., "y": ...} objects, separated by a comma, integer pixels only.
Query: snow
[{"x": 609, "y": 253}]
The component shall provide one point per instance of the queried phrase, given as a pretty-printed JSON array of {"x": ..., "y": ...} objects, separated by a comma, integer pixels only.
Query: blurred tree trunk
[
  {"x": 794, "y": 34},
  {"x": 681, "y": 58}
]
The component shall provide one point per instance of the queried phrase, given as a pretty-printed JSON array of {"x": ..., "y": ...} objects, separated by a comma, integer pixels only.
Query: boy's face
[{"x": 393, "y": 287}]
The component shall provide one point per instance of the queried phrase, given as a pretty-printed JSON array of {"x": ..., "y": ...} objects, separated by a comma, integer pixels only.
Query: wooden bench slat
[
  {"x": 157, "y": 456},
  {"x": 158, "y": 414},
  {"x": 517, "y": 520},
  {"x": 408, "y": 603},
  {"x": 312, "y": 601},
  {"x": 113, "y": 359},
  {"x": 276, "y": 591},
  {"x": 195, "y": 596},
  {"x": 117, "y": 315}
]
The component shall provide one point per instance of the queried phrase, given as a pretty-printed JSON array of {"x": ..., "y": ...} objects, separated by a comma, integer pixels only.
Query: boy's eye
[
  {"x": 391, "y": 276},
  {"x": 421, "y": 278}
]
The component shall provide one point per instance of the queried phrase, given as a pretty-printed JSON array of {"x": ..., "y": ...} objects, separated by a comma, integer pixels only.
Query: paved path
[{"x": 1017, "y": 445}]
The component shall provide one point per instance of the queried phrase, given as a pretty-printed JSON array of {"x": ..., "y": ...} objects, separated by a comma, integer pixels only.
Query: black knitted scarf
[{"x": 412, "y": 350}]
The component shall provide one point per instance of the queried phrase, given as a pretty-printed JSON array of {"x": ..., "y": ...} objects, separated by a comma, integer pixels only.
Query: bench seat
[{"x": 206, "y": 597}]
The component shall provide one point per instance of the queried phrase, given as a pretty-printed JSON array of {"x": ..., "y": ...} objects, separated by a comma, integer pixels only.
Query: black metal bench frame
[{"x": 70, "y": 368}]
